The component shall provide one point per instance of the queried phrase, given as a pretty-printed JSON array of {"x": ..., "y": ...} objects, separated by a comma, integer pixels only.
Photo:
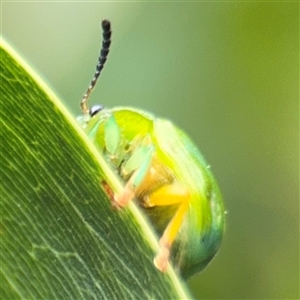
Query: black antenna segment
[{"x": 106, "y": 34}]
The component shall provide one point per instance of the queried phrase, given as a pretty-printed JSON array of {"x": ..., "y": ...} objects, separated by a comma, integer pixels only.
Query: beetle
[{"x": 164, "y": 172}]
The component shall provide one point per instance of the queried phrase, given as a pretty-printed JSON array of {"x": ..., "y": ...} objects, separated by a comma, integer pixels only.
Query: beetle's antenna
[{"x": 101, "y": 61}]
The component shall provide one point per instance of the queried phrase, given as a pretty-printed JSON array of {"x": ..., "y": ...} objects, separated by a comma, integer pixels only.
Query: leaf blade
[{"x": 60, "y": 237}]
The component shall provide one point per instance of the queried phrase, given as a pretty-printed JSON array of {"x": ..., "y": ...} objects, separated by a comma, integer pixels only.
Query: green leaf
[{"x": 60, "y": 238}]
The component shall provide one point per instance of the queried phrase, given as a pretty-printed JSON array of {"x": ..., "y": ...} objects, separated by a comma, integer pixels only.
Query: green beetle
[{"x": 164, "y": 172}]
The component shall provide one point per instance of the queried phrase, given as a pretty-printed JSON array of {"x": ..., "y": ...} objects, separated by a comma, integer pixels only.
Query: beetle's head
[{"x": 95, "y": 109}]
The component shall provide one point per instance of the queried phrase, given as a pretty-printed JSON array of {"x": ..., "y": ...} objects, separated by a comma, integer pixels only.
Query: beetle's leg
[
  {"x": 169, "y": 195},
  {"x": 112, "y": 135},
  {"x": 139, "y": 163}
]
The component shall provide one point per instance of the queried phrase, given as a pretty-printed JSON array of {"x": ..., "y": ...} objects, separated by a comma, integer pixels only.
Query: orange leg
[
  {"x": 166, "y": 195},
  {"x": 169, "y": 195}
]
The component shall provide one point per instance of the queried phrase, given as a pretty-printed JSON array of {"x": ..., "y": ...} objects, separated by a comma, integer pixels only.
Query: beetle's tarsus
[
  {"x": 122, "y": 199},
  {"x": 162, "y": 258}
]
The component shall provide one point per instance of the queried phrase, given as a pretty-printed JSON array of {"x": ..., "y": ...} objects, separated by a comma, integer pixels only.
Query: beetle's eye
[{"x": 95, "y": 109}]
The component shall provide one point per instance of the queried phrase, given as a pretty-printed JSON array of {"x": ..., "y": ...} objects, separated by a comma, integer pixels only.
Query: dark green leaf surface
[{"x": 59, "y": 236}]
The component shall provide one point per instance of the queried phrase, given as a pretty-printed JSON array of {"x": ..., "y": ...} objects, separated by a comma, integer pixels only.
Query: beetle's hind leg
[{"x": 170, "y": 195}]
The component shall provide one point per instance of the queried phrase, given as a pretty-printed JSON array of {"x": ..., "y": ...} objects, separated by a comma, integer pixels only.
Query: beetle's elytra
[{"x": 164, "y": 172}]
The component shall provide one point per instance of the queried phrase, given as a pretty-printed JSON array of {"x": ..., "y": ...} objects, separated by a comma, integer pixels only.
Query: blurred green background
[{"x": 227, "y": 73}]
